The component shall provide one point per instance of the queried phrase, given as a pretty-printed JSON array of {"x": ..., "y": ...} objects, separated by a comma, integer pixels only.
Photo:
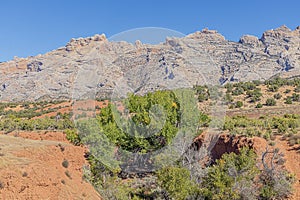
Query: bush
[
  {"x": 297, "y": 89},
  {"x": 270, "y": 102},
  {"x": 295, "y": 97},
  {"x": 239, "y": 104},
  {"x": 287, "y": 91},
  {"x": 257, "y": 82},
  {"x": 259, "y": 105},
  {"x": 238, "y": 91},
  {"x": 229, "y": 87},
  {"x": 72, "y": 136},
  {"x": 254, "y": 95},
  {"x": 232, "y": 177},
  {"x": 288, "y": 100},
  {"x": 276, "y": 181},
  {"x": 277, "y": 96},
  {"x": 273, "y": 88},
  {"x": 228, "y": 98},
  {"x": 176, "y": 181},
  {"x": 202, "y": 92},
  {"x": 248, "y": 86},
  {"x": 65, "y": 163}
]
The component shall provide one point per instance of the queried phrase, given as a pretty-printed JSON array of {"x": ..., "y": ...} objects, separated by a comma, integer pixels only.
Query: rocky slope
[{"x": 95, "y": 66}]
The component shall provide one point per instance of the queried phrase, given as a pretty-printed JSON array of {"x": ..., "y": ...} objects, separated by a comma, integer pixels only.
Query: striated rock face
[{"x": 94, "y": 66}]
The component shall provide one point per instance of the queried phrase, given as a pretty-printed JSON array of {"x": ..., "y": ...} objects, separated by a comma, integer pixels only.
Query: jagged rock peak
[
  {"x": 283, "y": 28},
  {"x": 250, "y": 40},
  {"x": 280, "y": 33},
  {"x": 207, "y": 34},
  {"x": 138, "y": 44},
  {"x": 80, "y": 42},
  {"x": 207, "y": 31}
]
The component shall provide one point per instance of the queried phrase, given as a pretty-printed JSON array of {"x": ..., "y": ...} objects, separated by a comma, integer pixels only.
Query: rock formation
[{"x": 94, "y": 66}]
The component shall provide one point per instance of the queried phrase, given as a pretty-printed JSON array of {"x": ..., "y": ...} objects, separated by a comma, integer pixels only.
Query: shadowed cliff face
[{"x": 86, "y": 67}]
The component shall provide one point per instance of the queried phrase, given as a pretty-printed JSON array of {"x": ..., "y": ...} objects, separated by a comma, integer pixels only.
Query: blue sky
[{"x": 30, "y": 27}]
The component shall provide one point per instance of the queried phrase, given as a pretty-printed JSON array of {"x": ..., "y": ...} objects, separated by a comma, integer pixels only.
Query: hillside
[{"x": 32, "y": 169}]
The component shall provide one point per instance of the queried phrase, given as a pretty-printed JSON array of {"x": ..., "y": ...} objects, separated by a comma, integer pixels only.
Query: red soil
[{"x": 31, "y": 169}]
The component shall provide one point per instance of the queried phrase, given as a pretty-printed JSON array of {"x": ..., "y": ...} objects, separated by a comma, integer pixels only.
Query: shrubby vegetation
[
  {"x": 287, "y": 125},
  {"x": 253, "y": 94},
  {"x": 270, "y": 102},
  {"x": 28, "y": 109},
  {"x": 73, "y": 136},
  {"x": 11, "y": 123},
  {"x": 202, "y": 92},
  {"x": 177, "y": 183},
  {"x": 234, "y": 176}
]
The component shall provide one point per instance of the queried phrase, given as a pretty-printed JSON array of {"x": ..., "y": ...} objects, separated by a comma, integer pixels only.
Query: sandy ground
[
  {"x": 32, "y": 169},
  {"x": 292, "y": 162}
]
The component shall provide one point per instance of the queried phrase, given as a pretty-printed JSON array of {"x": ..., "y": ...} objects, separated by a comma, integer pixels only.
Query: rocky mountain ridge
[{"x": 94, "y": 66}]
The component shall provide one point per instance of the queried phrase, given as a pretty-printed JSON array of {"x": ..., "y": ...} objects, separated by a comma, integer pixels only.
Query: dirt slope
[
  {"x": 292, "y": 162},
  {"x": 32, "y": 169}
]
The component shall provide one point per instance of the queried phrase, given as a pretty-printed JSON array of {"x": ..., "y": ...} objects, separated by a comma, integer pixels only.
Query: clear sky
[{"x": 30, "y": 27}]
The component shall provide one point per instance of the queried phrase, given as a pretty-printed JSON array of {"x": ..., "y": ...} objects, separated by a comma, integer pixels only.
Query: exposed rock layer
[{"x": 94, "y": 66}]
